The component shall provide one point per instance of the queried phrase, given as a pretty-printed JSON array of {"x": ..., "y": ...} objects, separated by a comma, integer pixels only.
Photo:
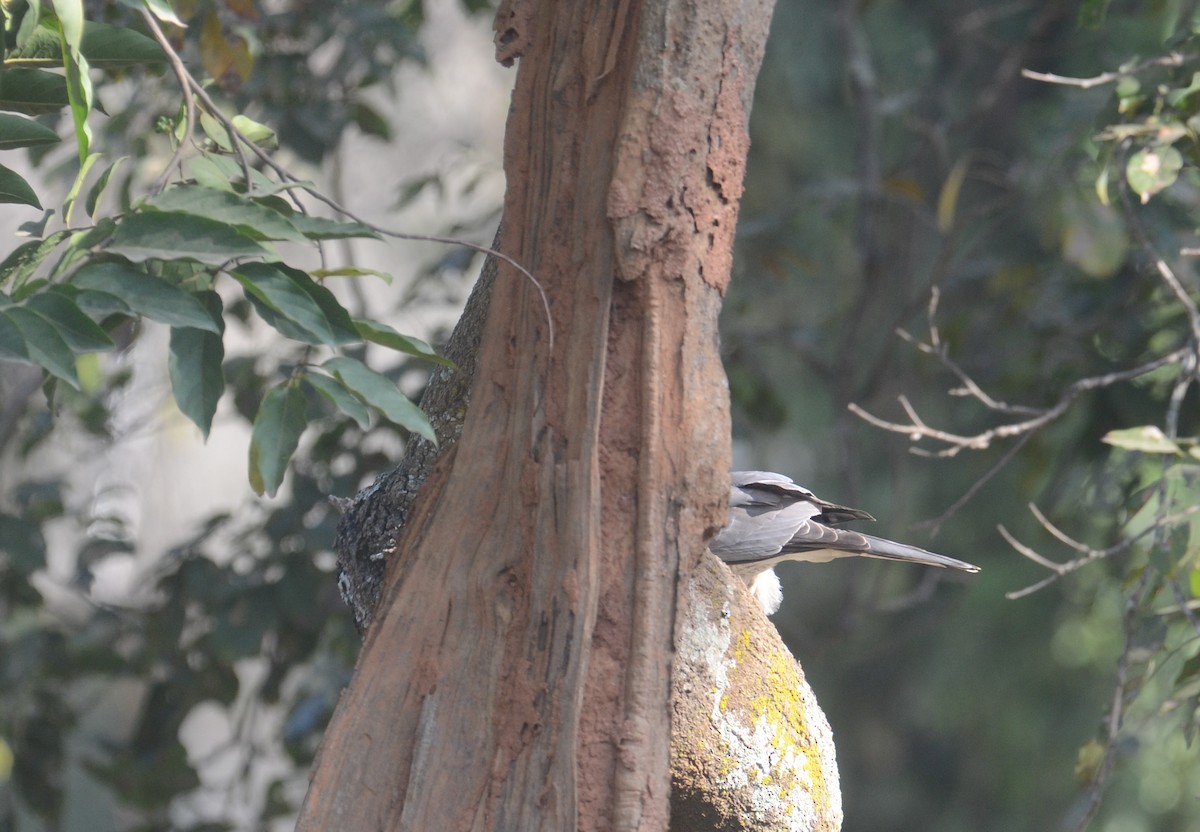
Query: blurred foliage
[
  {"x": 165, "y": 256},
  {"x": 916, "y": 213},
  {"x": 239, "y": 630}
]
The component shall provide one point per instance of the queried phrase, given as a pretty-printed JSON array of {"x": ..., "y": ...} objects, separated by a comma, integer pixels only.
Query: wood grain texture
[{"x": 517, "y": 676}]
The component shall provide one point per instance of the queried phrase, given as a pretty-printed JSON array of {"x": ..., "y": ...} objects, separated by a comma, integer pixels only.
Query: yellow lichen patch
[
  {"x": 782, "y": 707},
  {"x": 743, "y": 645}
]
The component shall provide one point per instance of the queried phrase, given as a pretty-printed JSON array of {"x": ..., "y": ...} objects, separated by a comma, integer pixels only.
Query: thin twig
[
  {"x": 1116, "y": 710},
  {"x": 1057, "y": 568},
  {"x": 236, "y": 138},
  {"x": 1172, "y": 59},
  {"x": 936, "y": 523},
  {"x": 1057, "y": 532},
  {"x": 241, "y": 143},
  {"x": 189, "y": 103},
  {"x": 969, "y": 386},
  {"x": 1088, "y": 554},
  {"x": 917, "y": 430}
]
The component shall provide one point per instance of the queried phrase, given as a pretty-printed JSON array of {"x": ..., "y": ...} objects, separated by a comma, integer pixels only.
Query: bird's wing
[
  {"x": 755, "y": 530},
  {"x": 741, "y": 479}
]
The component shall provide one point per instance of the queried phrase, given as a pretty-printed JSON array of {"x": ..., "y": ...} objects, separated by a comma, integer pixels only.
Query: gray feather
[{"x": 772, "y": 519}]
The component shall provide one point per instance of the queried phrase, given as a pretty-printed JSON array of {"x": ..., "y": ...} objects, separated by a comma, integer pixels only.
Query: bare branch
[
  {"x": 1171, "y": 59},
  {"x": 917, "y": 430},
  {"x": 1057, "y": 532},
  {"x": 969, "y": 388},
  {"x": 1116, "y": 710},
  {"x": 1032, "y": 588},
  {"x": 189, "y": 102},
  {"x": 1088, "y": 554},
  {"x": 1057, "y": 568}
]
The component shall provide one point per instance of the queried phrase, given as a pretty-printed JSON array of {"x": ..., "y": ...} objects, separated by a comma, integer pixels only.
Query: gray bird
[{"x": 772, "y": 519}]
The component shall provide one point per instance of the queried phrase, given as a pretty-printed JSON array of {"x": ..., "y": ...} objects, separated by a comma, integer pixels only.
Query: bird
[{"x": 773, "y": 519}]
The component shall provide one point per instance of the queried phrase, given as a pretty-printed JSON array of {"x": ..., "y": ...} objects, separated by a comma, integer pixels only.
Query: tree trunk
[{"x": 517, "y": 677}]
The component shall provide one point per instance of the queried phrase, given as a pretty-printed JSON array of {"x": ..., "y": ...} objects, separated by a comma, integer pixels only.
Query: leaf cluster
[
  {"x": 218, "y": 248},
  {"x": 169, "y": 257},
  {"x": 184, "y": 647}
]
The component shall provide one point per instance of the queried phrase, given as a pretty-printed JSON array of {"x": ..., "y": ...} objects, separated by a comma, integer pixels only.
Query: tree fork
[{"x": 518, "y": 676}]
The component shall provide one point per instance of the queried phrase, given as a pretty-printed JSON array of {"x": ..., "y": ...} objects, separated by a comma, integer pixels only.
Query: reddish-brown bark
[{"x": 518, "y": 677}]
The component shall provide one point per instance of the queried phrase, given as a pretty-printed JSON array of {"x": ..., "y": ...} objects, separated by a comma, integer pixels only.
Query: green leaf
[
  {"x": 100, "y": 303},
  {"x": 1194, "y": 583},
  {"x": 45, "y": 346},
  {"x": 260, "y": 134},
  {"x": 79, "y": 83},
  {"x": 32, "y": 91},
  {"x": 25, "y": 258},
  {"x": 319, "y": 228},
  {"x": 1148, "y": 439},
  {"x": 24, "y": 261},
  {"x": 30, "y": 288},
  {"x": 344, "y": 329},
  {"x": 1088, "y": 761},
  {"x": 351, "y": 271},
  {"x": 1102, "y": 187},
  {"x": 17, "y": 131},
  {"x": 83, "y": 244},
  {"x": 281, "y": 323},
  {"x": 197, "y": 377},
  {"x": 224, "y": 206},
  {"x": 147, "y": 295},
  {"x": 70, "y": 19},
  {"x": 379, "y": 391},
  {"x": 36, "y": 39},
  {"x": 250, "y": 129},
  {"x": 97, "y": 190},
  {"x": 277, "y": 428},
  {"x": 79, "y": 331},
  {"x": 154, "y": 235},
  {"x": 159, "y": 8},
  {"x": 370, "y": 121},
  {"x": 280, "y": 290},
  {"x": 14, "y": 189},
  {"x": 12, "y": 343},
  {"x": 219, "y": 172},
  {"x": 1153, "y": 169},
  {"x": 384, "y": 335},
  {"x": 114, "y": 46},
  {"x": 209, "y": 174},
  {"x": 1178, "y": 96},
  {"x": 339, "y": 397},
  {"x": 216, "y": 132},
  {"x": 84, "y": 169}
]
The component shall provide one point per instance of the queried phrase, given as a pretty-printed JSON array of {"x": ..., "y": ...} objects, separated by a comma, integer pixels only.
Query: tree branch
[{"x": 1171, "y": 59}]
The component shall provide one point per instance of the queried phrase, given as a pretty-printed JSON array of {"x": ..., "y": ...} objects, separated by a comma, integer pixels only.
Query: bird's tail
[{"x": 890, "y": 550}]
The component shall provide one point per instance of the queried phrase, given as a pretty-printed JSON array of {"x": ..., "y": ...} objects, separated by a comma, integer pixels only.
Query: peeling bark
[{"x": 518, "y": 673}]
